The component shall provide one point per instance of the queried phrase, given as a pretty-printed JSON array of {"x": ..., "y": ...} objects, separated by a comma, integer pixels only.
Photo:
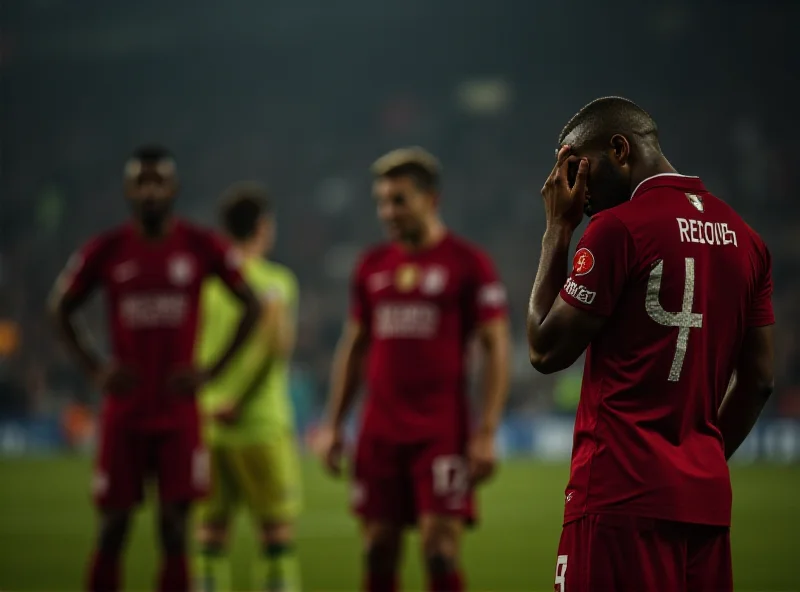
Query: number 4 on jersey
[{"x": 684, "y": 320}]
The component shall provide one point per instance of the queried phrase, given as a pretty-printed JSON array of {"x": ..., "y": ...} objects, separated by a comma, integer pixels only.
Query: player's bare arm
[
  {"x": 252, "y": 310},
  {"x": 345, "y": 379},
  {"x": 64, "y": 307},
  {"x": 557, "y": 332},
  {"x": 494, "y": 339},
  {"x": 751, "y": 387}
]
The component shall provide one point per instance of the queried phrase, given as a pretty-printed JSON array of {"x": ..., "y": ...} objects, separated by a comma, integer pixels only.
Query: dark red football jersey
[
  {"x": 152, "y": 291},
  {"x": 420, "y": 310},
  {"x": 680, "y": 277}
]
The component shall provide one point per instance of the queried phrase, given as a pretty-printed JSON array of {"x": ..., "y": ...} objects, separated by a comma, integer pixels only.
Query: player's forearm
[
  {"x": 345, "y": 379},
  {"x": 77, "y": 342},
  {"x": 246, "y": 326},
  {"x": 495, "y": 380},
  {"x": 550, "y": 278},
  {"x": 739, "y": 412}
]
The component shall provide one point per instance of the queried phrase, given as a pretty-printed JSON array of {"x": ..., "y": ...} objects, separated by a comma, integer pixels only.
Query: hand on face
[{"x": 563, "y": 204}]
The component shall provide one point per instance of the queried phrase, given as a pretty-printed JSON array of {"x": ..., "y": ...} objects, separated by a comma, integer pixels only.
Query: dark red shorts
[
  {"x": 398, "y": 482},
  {"x": 602, "y": 552},
  {"x": 127, "y": 459}
]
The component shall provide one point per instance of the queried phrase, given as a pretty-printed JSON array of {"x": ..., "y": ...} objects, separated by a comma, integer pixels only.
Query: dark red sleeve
[
  {"x": 84, "y": 269},
  {"x": 760, "y": 313},
  {"x": 224, "y": 260},
  {"x": 600, "y": 266},
  {"x": 360, "y": 310},
  {"x": 489, "y": 294}
]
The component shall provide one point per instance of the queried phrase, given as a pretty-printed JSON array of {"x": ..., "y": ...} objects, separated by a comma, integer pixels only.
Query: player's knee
[
  {"x": 173, "y": 526},
  {"x": 277, "y": 534},
  {"x": 438, "y": 564},
  {"x": 381, "y": 557},
  {"x": 113, "y": 531},
  {"x": 212, "y": 538},
  {"x": 440, "y": 539}
]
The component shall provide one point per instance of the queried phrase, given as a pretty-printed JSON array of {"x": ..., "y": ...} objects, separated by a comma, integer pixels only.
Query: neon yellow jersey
[{"x": 269, "y": 410}]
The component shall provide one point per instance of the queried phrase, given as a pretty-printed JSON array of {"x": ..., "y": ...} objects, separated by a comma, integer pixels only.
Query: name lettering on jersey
[
  {"x": 706, "y": 233},
  {"x": 434, "y": 280},
  {"x": 578, "y": 292},
  {"x": 583, "y": 262},
  {"x": 406, "y": 320},
  {"x": 153, "y": 310},
  {"x": 180, "y": 269},
  {"x": 492, "y": 295}
]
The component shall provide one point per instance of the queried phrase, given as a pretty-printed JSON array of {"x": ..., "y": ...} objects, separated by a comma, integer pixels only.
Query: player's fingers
[{"x": 580, "y": 180}]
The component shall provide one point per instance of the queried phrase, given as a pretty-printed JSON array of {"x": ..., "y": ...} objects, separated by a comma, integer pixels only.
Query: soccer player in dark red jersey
[
  {"x": 669, "y": 293},
  {"x": 151, "y": 270},
  {"x": 417, "y": 300}
]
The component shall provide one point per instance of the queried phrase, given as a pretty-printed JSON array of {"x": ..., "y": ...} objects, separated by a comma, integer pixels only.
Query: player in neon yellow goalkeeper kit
[{"x": 249, "y": 425}]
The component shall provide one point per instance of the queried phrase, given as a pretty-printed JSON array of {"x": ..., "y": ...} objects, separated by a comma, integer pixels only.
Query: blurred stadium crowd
[{"x": 489, "y": 101}]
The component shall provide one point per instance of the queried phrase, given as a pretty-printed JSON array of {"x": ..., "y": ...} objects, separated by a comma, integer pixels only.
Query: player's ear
[{"x": 620, "y": 149}]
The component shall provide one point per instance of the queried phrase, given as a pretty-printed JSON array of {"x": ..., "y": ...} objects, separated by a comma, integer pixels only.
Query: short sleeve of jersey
[
  {"x": 490, "y": 299},
  {"x": 83, "y": 271},
  {"x": 600, "y": 266},
  {"x": 223, "y": 260},
  {"x": 760, "y": 313},
  {"x": 359, "y": 298}
]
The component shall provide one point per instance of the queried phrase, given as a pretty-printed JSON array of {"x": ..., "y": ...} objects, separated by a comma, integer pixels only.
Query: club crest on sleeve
[
  {"x": 434, "y": 280},
  {"x": 696, "y": 201},
  {"x": 180, "y": 269},
  {"x": 583, "y": 262}
]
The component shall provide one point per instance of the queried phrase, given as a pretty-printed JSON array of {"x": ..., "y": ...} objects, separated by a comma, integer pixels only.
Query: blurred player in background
[
  {"x": 250, "y": 425},
  {"x": 416, "y": 303},
  {"x": 151, "y": 270},
  {"x": 670, "y": 291}
]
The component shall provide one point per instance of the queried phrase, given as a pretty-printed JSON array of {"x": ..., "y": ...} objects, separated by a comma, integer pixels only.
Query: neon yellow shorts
[{"x": 264, "y": 476}]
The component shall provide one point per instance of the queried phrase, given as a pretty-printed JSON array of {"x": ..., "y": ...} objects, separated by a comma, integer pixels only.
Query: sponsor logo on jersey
[
  {"x": 153, "y": 310},
  {"x": 578, "y": 292},
  {"x": 407, "y": 277},
  {"x": 696, "y": 201},
  {"x": 379, "y": 281},
  {"x": 125, "y": 272},
  {"x": 406, "y": 320},
  {"x": 434, "y": 280},
  {"x": 583, "y": 262},
  {"x": 180, "y": 269}
]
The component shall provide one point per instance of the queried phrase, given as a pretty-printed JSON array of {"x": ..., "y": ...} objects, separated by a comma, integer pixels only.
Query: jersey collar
[{"x": 668, "y": 180}]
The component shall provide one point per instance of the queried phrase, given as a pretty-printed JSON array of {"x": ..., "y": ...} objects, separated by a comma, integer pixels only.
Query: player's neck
[
  {"x": 432, "y": 234},
  {"x": 659, "y": 165},
  {"x": 250, "y": 250},
  {"x": 154, "y": 232}
]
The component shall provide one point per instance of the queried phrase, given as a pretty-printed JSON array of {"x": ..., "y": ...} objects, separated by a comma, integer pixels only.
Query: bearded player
[
  {"x": 417, "y": 301},
  {"x": 151, "y": 270},
  {"x": 250, "y": 428},
  {"x": 670, "y": 294}
]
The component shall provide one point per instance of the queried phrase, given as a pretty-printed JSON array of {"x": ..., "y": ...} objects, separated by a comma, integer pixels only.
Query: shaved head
[{"x": 596, "y": 123}]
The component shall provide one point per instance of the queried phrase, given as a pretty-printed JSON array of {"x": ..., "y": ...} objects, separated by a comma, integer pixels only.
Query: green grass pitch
[{"x": 46, "y": 530}]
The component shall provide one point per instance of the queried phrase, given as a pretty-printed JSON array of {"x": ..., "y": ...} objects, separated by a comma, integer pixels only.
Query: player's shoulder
[
  {"x": 195, "y": 232},
  {"x": 373, "y": 255},
  {"x": 275, "y": 272},
  {"x": 106, "y": 242},
  {"x": 468, "y": 251}
]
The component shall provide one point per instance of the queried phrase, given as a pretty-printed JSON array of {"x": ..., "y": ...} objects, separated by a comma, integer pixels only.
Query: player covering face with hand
[
  {"x": 416, "y": 303},
  {"x": 151, "y": 270},
  {"x": 669, "y": 293}
]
